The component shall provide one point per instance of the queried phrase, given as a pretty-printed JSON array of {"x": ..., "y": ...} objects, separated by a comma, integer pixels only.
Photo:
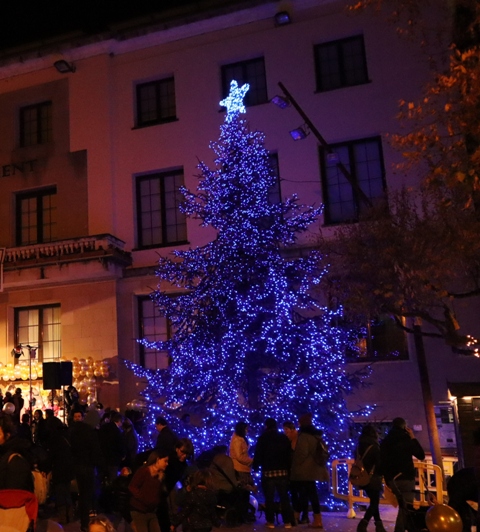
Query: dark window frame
[
  {"x": 41, "y": 328},
  {"x": 255, "y": 95},
  {"x": 141, "y": 329},
  {"x": 339, "y": 46},
  {"x": 160, "y": 176},
  {"x": 370, "y": 350},
  {"x": 44, "y": 132},
  {"x": 358, "y": 204},
  {"x": 39, "y": 195},
  {"x": 159, "y": 106}
]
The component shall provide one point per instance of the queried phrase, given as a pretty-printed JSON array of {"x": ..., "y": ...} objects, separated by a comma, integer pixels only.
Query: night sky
[{"x": 23, "y": 22}]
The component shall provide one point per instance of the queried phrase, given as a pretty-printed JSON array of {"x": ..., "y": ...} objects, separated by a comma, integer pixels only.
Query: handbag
[{"x": 359, "y": 476}]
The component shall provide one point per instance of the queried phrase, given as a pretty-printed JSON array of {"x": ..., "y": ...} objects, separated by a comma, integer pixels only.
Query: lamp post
[
  {"x": 283, "y": 102},
  {"x": 32, "y": 352},
  {"x": 17, "y": 352}
]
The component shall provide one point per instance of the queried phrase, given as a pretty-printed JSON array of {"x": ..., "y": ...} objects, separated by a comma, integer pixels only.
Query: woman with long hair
[
  {"x": 242, "y": 463},
  {"x": 369, "y": 448}
]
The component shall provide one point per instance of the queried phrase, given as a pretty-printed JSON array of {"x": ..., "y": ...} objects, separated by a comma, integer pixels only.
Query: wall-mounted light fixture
[
  {"x": 300, "y": 132},
  {"x": 282, "y": 18},
  {"x": 280, "y": 101},
  {"x": 64, "y": 66}
]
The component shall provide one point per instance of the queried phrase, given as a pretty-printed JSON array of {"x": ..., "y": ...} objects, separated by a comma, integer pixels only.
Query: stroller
[
  {"x": 18, "y": 510},
  {"x": 414, "y": 513}
]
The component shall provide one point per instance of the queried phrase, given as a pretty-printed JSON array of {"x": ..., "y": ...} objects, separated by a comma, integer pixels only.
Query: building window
[
  {"x": 251, "y": 72},
  {"x": 380, "y": 339},
  {"x": 364, "y": 161},
  {"x": 274, "y": 192},
  {"x": 36, "y": 124},
  {"x": 40, "y": 326},
  {"x": 160, "y": 221},
  {"x": 154, "y": 328},
  {"x": 340, "y": 64},
  {"x": 36, "y": 214},
  {"x": 156, "y": 102}
]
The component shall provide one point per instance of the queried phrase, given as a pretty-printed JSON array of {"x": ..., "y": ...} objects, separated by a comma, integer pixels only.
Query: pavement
[{"x": 336, "y": 521}]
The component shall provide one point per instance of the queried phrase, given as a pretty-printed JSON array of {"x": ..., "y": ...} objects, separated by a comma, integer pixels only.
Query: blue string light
[{"x": 251, "y": 338}]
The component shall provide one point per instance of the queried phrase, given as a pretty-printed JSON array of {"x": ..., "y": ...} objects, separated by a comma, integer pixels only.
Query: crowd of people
[{"x": 94, "y": 466}]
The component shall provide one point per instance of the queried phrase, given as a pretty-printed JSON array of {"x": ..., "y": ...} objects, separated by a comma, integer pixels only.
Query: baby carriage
[
  {"x": 18, "y": 511},
  {"x": 414, "y": 512}
]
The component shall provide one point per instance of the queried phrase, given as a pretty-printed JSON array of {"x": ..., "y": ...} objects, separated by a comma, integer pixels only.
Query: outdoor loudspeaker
[
  {"x": 66, "y": 370},
  {"x": 51, "y": 376}
]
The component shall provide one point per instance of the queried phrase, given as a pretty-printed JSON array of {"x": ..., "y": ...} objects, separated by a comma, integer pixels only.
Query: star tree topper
[{"x": 234, "y": 101}]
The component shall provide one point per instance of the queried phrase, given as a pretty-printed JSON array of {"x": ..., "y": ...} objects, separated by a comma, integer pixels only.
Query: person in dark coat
[
  {"x": 396, "y": 451},
  {"x": 272, "y": 456},
  {"x": 198, "y": 512},
  {"x": 306, "y": 472},
  {"x": 62, "y": 468},
  {"x": 166, "y": 439},
  {"x": 369, "y": 448},
  {"x": 38, "y": 428},
  {"x": 176, "y": 471},
  {"x": 52, "y": 423},
  {"x": 15, "y": 458},
  {"x": 112, "y": 444},
  {"x": 24, "y": 430},
  {"x": 130, "y": 439},
  {"x": 87, "y": 455},
  {"x": 18, "y": 401}
]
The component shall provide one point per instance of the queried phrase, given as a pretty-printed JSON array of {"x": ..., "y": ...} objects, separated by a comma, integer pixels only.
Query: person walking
[
  {"x": 369, "y": 448},
  {"x": 147, "y": 490},
  {"x": 272, "y": 456},
  {"x": 306, "y": 471},
  {"x": 396, "y": 452}
]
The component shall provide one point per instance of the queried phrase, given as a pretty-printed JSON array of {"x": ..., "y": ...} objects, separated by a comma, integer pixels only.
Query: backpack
[
  {"x": 359, "y": 476},
  {"x": 321, "y": 452}
]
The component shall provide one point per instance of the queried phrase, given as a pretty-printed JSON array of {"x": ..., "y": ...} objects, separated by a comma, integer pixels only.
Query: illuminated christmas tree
[{"x": 251, "y": 339}]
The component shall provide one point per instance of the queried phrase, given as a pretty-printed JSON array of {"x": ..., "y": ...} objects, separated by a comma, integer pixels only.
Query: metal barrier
[{"x": 428, "y": 479}]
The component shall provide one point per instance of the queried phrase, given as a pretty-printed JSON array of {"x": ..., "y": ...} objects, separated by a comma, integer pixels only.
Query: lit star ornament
[{"x": 234, "y": 101}]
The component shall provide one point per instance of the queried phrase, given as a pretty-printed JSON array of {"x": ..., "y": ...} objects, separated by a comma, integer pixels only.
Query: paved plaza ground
[{"x": 332, "y": 521}]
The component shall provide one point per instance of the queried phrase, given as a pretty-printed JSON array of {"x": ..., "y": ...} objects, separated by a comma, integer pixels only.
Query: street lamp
[{"x": 285, "y": 101}]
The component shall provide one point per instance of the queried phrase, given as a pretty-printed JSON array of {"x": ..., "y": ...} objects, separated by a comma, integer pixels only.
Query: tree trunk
[{"x": 427, "y": 398}]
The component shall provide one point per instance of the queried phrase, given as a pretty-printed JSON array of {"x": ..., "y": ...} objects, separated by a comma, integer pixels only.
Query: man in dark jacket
[
  {"x": 166, "y": 439},
  {"x": 86, "y": 454},
  {"x": 272, "y": 456},
  {"x": 112, "y": 444},
  {"x": 18, "y": 401},
  {"x": 396, "y": 451}
]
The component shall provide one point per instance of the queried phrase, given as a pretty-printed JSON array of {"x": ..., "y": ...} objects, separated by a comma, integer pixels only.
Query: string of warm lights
[{"x": 250, "y": 340}]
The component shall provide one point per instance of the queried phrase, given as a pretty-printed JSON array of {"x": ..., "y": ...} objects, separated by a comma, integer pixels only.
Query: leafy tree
[{"x": 418, "y": 253}]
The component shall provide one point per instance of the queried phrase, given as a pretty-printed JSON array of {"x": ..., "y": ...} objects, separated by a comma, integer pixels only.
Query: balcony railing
[{"x": 83, "y": 248}]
